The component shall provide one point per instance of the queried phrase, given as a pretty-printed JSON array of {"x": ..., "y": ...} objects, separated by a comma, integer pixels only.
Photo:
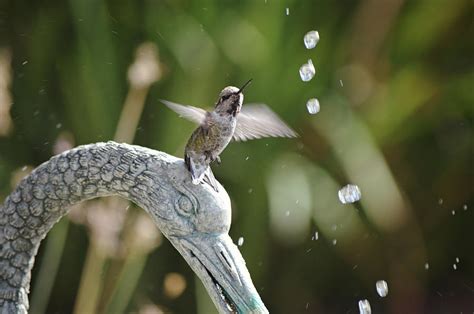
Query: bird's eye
[{"x": 225, "y": 97}]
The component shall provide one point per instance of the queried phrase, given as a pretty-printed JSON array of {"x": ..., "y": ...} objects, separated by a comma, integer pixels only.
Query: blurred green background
[{"x": 395, "y": 82}]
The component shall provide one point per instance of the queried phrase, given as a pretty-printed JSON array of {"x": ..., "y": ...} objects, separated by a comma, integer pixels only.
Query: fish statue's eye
[{"x": 186, "y": 205}]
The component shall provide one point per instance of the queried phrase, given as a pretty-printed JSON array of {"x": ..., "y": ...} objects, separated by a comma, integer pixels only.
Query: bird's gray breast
[{"x": 226, "y": 127}]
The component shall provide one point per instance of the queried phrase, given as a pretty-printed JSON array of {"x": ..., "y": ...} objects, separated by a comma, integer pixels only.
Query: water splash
[
  {"x": 364, "y": 307},
  {"x": 382, "y": 288},
  {"x": 313, "y": 106},
  {"x": 307, "y": 71},
  {"x": 349, "y": 194},
  {"x": 311, "y": 39}
]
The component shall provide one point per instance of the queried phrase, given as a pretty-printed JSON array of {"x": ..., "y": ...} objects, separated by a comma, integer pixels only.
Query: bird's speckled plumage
[{"x": 229, "y": 120}]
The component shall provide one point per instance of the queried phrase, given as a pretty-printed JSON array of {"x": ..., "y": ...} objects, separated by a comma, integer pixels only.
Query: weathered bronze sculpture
[{"x": 195, "y": 218}]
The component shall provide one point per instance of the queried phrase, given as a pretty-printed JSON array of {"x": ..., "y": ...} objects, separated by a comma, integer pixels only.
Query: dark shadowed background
[{"x": 395, "y": 83}]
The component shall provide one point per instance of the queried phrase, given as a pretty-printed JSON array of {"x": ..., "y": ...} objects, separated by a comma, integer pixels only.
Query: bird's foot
[{"x": 211, "y": 158}]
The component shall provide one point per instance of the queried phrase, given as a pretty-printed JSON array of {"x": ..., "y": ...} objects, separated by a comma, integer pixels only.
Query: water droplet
[
  {"x": 427, "y": 266},
  {"x": 247, "y": 158},
  {"x": 58, "y": 126},
  {"x": 464, "y": 207},
  {"x": 334, "y": 227},
  {"x": 250, "y": 191},
  {"x": 311, "y": 39},
  {"x": 313, "y": 106},
  {"x": 440, "y": 201},
  {"x": 287, "y": 11},
  {"x": 349, "y": 194},
  {"x": 453, "y": 212},
  {"x": 455, "y": 266},
  {"x": 364, "y": 307},
  {"x": 334, "y": 242},
  {"x": 457, "y": 259},
  {"x": 24, "y": 168},
  {"x": 240, "y": 241},
  {"x": 287, "y": 213},
  {"x": 382, "y": 288},
  {"x": 340, "y": 82},
  {"x": 316, "y": 235},
  {"x": 24, "y": 62},
  {"x": 307, "y": 71}
]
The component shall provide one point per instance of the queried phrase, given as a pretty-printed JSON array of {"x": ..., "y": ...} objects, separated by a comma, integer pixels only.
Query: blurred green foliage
[{"x": 395, "y": 82}]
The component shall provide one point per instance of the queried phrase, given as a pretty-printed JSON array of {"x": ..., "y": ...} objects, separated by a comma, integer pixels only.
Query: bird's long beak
[
  {"x": 245, "y": 85},
  {"x": 220, "y": 266}
]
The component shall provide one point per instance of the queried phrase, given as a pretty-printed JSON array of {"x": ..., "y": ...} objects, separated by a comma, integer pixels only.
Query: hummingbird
[{"x": 229, "y": 120}]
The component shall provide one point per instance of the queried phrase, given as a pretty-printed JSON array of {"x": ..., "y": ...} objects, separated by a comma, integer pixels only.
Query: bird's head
[{"x": 230, "y": 100}]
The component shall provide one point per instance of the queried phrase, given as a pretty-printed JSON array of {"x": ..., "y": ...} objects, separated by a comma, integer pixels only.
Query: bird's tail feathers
[
  {"x": 210, "y": 179},
  {"x": 200, "y": 174}
]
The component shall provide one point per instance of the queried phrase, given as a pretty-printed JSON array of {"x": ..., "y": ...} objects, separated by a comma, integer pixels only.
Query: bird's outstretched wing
[
  {"x": 191, "y": 113},
  {"x": 257, "y": 121}
]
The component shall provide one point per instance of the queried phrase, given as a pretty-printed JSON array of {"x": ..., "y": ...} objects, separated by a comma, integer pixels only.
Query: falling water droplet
[
  {"x": 313, "y": 106},
  {"x": 455, "y": 266},
  {"x": 311, "y": 39},
  {"x": 240, "y": 241},
  {"x": 364, "y": 307},
  {"x": 453, "y": 212},
  {"x": 307, "y": 71},
  {"x": 349, "y": 194},
  {"x": 382, "y": 288},
  {"x": 287, "y": 11},
  {"x": 427, "y": 266},
  {"x": 334, "y": 242},
  {"x": 457, "y": 259},
  {"x": 316, "y": 235}
]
